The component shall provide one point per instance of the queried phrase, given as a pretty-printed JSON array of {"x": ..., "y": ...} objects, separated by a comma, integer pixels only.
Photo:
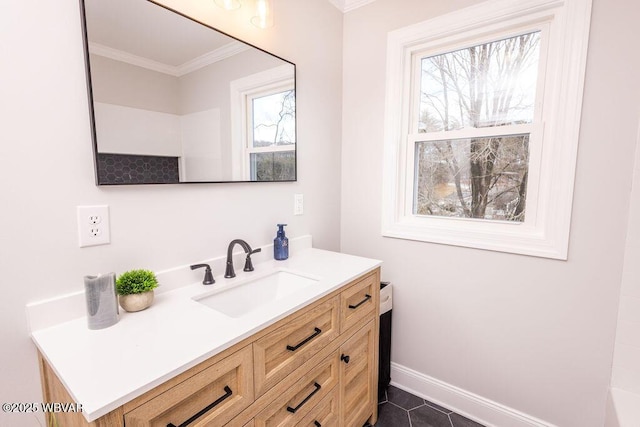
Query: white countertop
[{"x": 103, "y": 369}]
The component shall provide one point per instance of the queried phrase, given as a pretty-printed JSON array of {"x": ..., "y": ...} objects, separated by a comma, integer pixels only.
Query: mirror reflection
[{"x": 174, "y": 100}]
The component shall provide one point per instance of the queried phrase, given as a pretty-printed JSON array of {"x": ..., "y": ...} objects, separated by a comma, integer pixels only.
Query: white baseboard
[{"x": 463, "y": 402}]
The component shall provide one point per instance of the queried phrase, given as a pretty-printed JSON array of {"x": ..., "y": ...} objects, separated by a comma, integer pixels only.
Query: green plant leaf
[{"x": 136, "y": 282}]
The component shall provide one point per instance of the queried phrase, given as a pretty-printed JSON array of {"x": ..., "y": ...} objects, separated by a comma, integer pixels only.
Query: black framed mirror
[{"x": 173, "y": 100}]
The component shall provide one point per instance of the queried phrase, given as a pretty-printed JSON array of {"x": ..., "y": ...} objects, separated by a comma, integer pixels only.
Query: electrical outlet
[
  {"x": 93, "y": 225},
  {"x": 298, "y": 204}
]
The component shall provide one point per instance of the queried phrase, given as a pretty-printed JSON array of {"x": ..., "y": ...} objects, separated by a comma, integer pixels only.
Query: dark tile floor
[{"x": 402, "y": 409}]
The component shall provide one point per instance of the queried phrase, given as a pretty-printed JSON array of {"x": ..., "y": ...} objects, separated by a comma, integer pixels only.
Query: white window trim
[
  {"x": 545, "y": 233},
  {"x": 241, "y": 90}
]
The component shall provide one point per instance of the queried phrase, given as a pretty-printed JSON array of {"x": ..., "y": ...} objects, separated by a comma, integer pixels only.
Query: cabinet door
[
  {"x": 209, "y": 398},
  {"x": 358, "y": 380}
]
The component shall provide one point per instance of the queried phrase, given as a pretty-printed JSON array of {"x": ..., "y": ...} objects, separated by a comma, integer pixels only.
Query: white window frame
[
  {"x": 243, "y": 91},
  {"x": 554, "y": 133}
]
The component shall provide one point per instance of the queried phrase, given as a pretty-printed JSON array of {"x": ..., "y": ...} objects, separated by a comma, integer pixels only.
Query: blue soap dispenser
[{"x": 281, "y": 244}]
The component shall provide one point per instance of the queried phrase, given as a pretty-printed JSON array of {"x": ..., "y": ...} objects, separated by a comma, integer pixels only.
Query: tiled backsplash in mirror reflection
[{"x": 137, "y": 169}]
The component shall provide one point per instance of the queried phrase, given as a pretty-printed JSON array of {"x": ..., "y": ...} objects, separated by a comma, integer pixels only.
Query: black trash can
[{"x": 384, "y": 350}]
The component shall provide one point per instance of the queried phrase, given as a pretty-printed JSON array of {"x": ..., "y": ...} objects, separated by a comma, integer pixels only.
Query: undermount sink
[{"x": 247, "y": 297}]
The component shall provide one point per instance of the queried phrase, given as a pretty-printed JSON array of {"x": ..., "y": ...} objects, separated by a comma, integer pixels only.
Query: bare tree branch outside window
[
  {"x": 483, "y": 86},
  {"x": 273, "y": 118}
]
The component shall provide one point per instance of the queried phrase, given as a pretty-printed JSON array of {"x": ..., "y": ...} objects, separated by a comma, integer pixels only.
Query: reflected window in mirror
[
  {"x": 271, "y": 147},
  {"x": 263, "y": 117}
]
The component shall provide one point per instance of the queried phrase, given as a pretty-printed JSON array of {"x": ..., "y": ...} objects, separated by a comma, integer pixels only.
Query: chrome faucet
[{"x": 248, "y": 265}]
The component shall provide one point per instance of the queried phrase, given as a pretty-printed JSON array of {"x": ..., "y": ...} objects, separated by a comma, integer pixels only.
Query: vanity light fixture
[
  {"x": 228, "y": 4},
  {"x": 264, "y": 14},
  {"x": 264, "y": 11}
]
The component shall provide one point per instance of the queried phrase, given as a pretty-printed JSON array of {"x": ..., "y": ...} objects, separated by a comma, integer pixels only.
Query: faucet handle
[
  {"x": 248, "y": 264},
  {"x": 208, "y": 275}
]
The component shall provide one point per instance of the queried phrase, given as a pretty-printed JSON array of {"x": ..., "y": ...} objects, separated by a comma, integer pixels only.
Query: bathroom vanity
[{"x": 308, "y": 358}]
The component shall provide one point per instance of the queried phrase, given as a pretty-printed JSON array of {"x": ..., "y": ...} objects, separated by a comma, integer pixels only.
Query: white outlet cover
[{"x": 93, "y": 225}]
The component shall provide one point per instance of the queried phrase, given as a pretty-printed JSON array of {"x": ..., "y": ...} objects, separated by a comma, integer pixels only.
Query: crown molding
[
  {"x": 348, "y": 5},
  {"x": 208, "y": 58},
  {"x": 214, "y": 56},
  {"x": 129, "y": 58}
]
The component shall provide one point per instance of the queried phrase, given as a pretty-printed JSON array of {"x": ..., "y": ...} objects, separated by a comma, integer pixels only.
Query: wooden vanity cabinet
[{"x": 316, "y": 367}]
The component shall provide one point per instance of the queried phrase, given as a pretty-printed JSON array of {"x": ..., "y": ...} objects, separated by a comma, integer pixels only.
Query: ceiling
[
  {"x": 149, "y": 31},
  {"x": 145, "y": 34}
]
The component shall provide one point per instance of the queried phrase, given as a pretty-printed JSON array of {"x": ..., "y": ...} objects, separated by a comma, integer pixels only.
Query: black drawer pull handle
[
  {"x": 367, "y": 297},
  {"x": 306, "y": 399},
  {"x": 304, "y": 341},
  {"x": 345, "y": 358},
  {"x": 228, "y": 393},
  {"x": 317, "y": 424}
]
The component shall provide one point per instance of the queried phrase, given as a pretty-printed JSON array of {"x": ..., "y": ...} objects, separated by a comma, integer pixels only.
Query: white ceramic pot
[{"x": 136, "y": 302}]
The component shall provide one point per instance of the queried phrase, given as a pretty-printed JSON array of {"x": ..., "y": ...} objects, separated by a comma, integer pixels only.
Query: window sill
[{"x": 504, "y": 236}]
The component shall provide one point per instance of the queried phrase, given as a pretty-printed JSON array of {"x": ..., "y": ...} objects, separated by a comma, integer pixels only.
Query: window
[
  {"x": 264, "y": 126},
  {"x": 481, "y": 132},
  {"x": 271, "y": 145},
  {"x": 490, "y": 87}
]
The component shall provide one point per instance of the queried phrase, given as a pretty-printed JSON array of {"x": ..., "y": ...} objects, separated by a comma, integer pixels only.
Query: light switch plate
[
  {"x": 93, "y": 225},
  {"x": 298, "y": 204}
]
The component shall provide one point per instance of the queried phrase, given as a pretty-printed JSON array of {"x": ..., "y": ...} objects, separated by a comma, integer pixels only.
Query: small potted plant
[{"x": 135, "y": 289}]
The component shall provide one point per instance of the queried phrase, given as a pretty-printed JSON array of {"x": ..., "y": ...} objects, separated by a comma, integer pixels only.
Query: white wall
[
  {"x": 120, "y": 83},
  {"x": 532, "y": 334},
  {"x": 126, "y": 130},
  {"x": 47, "y": 170},
  {"x": 202, "y": 147},
  {"x": 626, "y": 361}
]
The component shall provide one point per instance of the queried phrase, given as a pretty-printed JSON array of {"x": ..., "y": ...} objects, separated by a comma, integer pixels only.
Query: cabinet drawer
[
  {"x": 357, "y": 301},
  {"x": 302, "y": 396},
  {"x": 209, "y": 398},
  {"x": 326, "y": 413},
  {"x": 286, "y": 348}
]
